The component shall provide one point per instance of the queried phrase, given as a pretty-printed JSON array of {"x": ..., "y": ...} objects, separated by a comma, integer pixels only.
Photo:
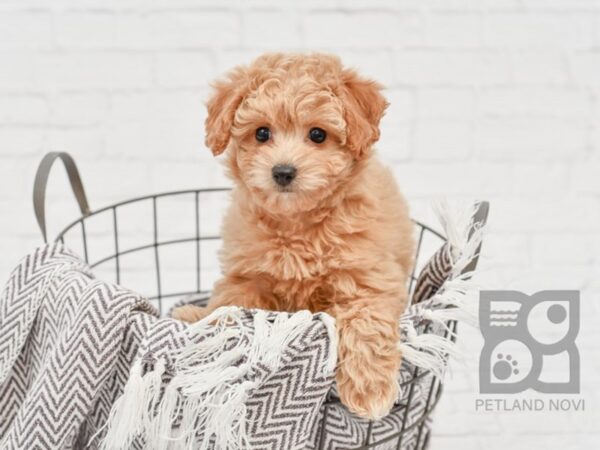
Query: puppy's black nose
[{"x": 283, "y": 174}]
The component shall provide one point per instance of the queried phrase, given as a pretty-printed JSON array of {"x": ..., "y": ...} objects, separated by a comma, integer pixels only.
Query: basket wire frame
[{"x": 196, "y": 237}]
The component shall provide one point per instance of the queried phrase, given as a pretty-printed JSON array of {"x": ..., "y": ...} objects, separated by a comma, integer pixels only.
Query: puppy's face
[
  {"x": 288, "y": 144},
  {"x": 295, "y": 127}
]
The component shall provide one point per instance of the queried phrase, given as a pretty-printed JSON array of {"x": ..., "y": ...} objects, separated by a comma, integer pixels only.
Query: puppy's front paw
[
  {"x": 369, "y": 360},
  {"x": 190, "y": 313},
  {"x": 366, "y": 391}
]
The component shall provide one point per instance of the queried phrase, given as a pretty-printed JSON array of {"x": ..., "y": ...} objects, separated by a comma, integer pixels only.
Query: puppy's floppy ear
[
  {"x": 364, "y": 106},
  {"x": 227, "y": 96}
]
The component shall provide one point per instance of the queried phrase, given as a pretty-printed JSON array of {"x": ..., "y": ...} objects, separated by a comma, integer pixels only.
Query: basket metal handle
[{"x": 41, "y": 181}]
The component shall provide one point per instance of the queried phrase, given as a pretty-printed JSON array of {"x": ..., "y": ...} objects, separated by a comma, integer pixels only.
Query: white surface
[{"x": 489, "y": 99}]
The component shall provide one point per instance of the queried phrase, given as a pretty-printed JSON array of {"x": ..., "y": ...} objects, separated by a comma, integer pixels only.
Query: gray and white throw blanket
[{"x": 89, "y": 364}]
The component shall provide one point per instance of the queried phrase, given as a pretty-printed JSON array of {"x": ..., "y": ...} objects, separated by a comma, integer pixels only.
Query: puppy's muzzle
[{"x": 283, "y": 174}]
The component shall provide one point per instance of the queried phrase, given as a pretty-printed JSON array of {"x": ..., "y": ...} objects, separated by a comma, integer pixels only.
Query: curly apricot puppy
[{"x": 316, "y": 222}]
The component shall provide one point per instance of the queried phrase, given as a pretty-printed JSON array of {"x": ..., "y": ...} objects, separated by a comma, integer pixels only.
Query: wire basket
[{"x": 165, "y": 246}]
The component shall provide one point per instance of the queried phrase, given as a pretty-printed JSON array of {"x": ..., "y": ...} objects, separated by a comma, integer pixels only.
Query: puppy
[{"x": 316, "y": 222}]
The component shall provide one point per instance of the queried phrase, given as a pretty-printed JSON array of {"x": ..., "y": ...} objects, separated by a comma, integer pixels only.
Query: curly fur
[{"x": 339, "y": 238}]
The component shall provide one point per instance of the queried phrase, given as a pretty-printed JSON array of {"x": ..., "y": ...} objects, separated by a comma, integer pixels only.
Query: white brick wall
[{"x": 496, "y": 99}]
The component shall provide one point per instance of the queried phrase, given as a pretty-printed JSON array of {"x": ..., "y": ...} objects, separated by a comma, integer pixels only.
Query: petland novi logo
[{"x": 529, "y": 344}]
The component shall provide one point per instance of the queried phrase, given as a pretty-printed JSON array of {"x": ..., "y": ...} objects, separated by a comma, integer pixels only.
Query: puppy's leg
[
  {"x": 368, "y": 356},
  {"x": 189, "y": 313},
  {"x": 229, "y": 291}
]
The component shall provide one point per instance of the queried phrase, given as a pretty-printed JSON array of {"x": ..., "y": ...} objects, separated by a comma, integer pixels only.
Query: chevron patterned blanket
[
  {"x": 89, "y": 364},
  {"x": 69, "y": 343}
]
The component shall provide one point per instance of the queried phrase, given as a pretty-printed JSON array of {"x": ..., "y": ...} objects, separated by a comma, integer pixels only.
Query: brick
[
  {"x": 562, "y": 4},
  {"x": 401, "y": 104},
  {"x": 185, "y": 69},
  {"x": 167, "y": 126},
  {"x": 457, "y": 180},
  {"x": 87, "y": 29},
  {"x": 23, "y": 110},
  {"x": 113, "y": 181},
  {"x": 127, "y": 106},
  {"x": 539, "y": 179},
  {"x": 462, "y": 442},
  {"x": 173, "y": 105},
  {"x": 21, "y": 140},
  {"x": 546, "y": 213},
  {"x": 18, "y": 72},
  {"x": 142, "y": 140},
  {"x": 98, "y": 5},
  {"x": 454, "y": 30},
  {"x": 460, "y": 380},
  {"x": 467, "y": 423},
  {"x": 133, "y": 31},
  {"x": 13, "y": 252},
  {"x": 79, "y": 109},
  {"x": 547, "y": 422},
  {"x": 195, "y": 174},
  {"x": 90, "y": 141},
  {"x": 555, "y": 102},
  {"x": 363, "y": 30},
  {"x": 365, "y": 5},
  {"x": 421, "y": 67},
  {"x": 500, "y": 5},
  {"x": 395, "y": 142},
  {"x": 443, "y": 140},
  {"x": 506, "y": 249},
  {"x": 585, "y": 177},
  {"x": 230, "y": 58},
  {"x": 595, "y": 144},
  {"x": 25, "y": 30},
  {"x": 585, "y": 67},
  {"x": 377, "y": 65},
  {"x": 193, "y": 29},
  {"x": 96, "y": 70},
  {"x": 536, "y": 437},
  {"x": 434, "y": 5},
  {"x": 591, "y": 436},
  {"x": 521, "y": 30},
  {"x": 271, "y": 29},
  {"x": 530, "y": 139},
  {"x": 12, "y": 178},
  {"x": 535, "y": 279},
  {"x": 16, "y": 221},
  {"x": 562, "y": 249},
  {"x": 540, "y": 66},
  {"x": 447, "y": 103}
]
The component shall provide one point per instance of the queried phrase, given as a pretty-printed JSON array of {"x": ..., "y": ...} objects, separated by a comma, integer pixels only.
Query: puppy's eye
[
  {"x": 263, "y": 134},
  {"x": 317, "y": 135}
]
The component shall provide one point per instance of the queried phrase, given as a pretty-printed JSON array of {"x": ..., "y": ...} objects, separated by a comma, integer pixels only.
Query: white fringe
[
  {"x": 428, "y": 351},
  {"x": 455, "y": 300},
  {"x": 329, "y": 323},
  {"x": 210, "y": 385},
  {"x": 131, "y": 412}
]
